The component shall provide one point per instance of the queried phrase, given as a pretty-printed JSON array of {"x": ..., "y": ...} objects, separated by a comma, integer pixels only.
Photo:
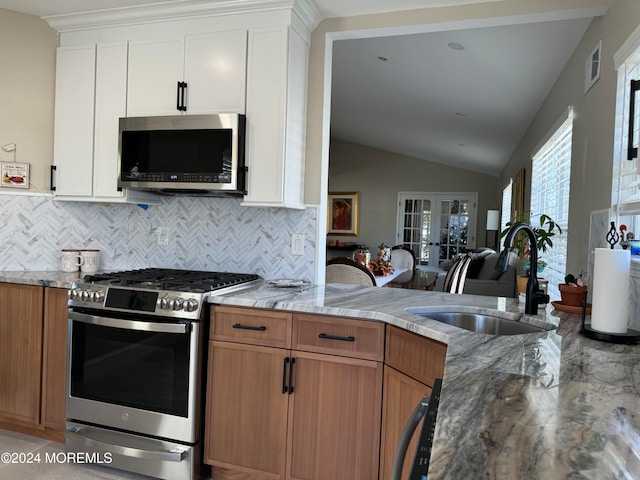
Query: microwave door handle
[{"x": 130, "y": 324}]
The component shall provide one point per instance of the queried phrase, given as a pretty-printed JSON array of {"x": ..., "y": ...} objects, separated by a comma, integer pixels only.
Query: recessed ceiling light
[
  {"x": 455, "y": 46},
  {"x": 383, "y": 59}
]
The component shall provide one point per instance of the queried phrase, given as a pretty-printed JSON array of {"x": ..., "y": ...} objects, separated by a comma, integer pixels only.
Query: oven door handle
[
  {"x": 175, "y": 455},
  {"x": 130, "y": 324}
]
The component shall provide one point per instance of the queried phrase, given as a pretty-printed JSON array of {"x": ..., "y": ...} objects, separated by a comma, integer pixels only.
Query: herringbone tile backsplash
[{"x": 204, "y": 234}]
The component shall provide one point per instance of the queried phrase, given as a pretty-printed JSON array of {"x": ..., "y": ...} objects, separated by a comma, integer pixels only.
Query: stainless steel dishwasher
[{"x": 427, "y": 408}]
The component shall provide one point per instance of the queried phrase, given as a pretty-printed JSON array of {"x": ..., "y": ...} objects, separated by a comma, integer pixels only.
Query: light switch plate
[
  {"x": 163, "y": 235},
  {"x": 297, "y": 244}
]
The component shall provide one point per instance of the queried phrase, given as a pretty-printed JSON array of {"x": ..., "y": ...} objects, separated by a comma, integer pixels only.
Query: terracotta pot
[
  {"x": 571, "y": 296},
  {"x": 522, "y": 283}
]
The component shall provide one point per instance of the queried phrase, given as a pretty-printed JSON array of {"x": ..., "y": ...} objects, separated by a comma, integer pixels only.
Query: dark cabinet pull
[
  {"x": 182, "y": 90},
  {"x": 333, "y": 337},
  {"x": 284, "y": 375},
  {"x": 632, "y": 152},
  {"x": 51, "y": 185},
  {"x": 292, "y": 361},
  {"x": 249, "y": 327}
]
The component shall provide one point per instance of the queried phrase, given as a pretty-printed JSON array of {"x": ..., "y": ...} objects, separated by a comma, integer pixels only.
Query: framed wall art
[
  {"x": 14, "y": 175},
  {"x": 342, "y": 213}
]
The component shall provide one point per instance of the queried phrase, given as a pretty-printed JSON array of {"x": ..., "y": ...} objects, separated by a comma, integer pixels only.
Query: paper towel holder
[{"x": 631, "y": 337}]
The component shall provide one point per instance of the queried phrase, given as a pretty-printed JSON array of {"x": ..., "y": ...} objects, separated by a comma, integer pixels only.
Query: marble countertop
[{"x": 543, "y": 405}]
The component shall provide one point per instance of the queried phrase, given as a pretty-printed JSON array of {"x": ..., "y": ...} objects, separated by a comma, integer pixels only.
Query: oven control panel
[{"x": 156, "y": 302}]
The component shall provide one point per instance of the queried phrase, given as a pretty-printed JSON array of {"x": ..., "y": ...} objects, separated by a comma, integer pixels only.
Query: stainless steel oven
[{"x": 135, "y": 368}]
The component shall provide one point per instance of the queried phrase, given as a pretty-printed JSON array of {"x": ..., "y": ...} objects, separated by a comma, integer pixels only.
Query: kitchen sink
[{"x": 478, "y": 322}]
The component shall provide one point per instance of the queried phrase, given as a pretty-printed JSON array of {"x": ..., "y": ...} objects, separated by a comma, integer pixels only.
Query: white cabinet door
[
  {"x": 91, "y": 87},
  {"x": 110, "y": 105},
  {"x": 213, "y": 66},
  {"x": 74, "y": 110},
  {"x": 215, "y": 72},
  {"x": 276, "y": 89},
  {"x": 155, "y": 68}
]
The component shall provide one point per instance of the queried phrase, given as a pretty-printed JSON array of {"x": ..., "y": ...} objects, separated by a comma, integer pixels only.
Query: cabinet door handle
[
  {"x": 52, "y": 187},
  {"x": 181, "y": 103},
  {"x": 249, "y": 327},
  {"x": 333, "y": 337},
  {"x": 284, "y": 375},
  {"x": 292, "y": 361}
]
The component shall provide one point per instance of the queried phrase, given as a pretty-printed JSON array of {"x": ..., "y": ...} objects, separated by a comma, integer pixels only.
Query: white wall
[
  {"x": 378, "y": 176},
  {"x": 27, "y": 77}
]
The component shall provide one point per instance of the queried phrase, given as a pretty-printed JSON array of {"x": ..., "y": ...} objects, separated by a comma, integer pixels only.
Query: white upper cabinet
[
  {"x": 249, "y": 62},
  {"x": 276, "y": 117},
  {"x": 74, "y": 110},
  {"x": 90, "y": 98},
  {"x": 195, "y": 74}
]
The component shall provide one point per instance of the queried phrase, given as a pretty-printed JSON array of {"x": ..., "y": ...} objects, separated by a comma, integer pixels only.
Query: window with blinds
[
  {"x": 550, "y": 181},
  {"x": 625, "y": 190}
]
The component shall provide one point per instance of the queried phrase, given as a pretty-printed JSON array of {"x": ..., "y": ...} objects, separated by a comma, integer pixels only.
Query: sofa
[{"x": 484, "y": 279}]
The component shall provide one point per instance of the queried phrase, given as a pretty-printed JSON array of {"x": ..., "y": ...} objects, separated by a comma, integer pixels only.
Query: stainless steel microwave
[{"x": 183, "y": 154}]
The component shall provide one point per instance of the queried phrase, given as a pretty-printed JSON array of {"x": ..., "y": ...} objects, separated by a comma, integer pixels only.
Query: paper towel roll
[{"x": 610, "y": 301}]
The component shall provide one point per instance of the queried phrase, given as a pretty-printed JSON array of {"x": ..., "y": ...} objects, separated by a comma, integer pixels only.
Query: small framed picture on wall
[{"x": 342, "y": 213}]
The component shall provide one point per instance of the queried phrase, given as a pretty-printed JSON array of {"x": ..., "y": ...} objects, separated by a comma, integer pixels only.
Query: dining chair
[
  {"x": 345, "y": 270},
  {"x": 403, "y": 258}
]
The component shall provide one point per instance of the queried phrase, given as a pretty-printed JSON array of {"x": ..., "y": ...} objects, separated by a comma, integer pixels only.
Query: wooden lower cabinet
[
  {"x": 334, "y": 418},
  {"x": 54, "y": 365},
  {"x": 21, "y": 308},
  {"x": 282, "y": 413},
  {"x": 401, "y": 395},
  {"x": 308, "y": 397},
  {"x": 33, "y": 358},
  {"x": 412, "y": 363},
  {"x": 246, "y": 424}
]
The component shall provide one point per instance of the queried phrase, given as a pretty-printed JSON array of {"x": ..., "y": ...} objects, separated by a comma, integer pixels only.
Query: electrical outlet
[
  {"x": 163, "y": 235},
  {"x": 297, "y": 244}
]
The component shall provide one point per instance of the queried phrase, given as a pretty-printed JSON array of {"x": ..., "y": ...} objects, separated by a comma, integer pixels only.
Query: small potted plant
[{"x": 572, "y": 291}]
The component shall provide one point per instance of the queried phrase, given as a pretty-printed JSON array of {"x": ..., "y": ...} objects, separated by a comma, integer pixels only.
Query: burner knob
[
  {"x": 175, "y": 304},
  {"x": 74, "y": 294},
  {"x": 191, "y": 305},
  {"x": 164, "y": 303},
  {"x": 84, "y": 295},
  {"x": 97, "y": 296}
]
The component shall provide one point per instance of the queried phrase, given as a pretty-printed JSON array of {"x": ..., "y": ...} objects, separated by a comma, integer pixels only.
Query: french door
[{"x": 436, "y": 226}]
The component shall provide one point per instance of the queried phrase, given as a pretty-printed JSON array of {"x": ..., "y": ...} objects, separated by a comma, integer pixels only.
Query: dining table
[{"x": 382, "y": 280}]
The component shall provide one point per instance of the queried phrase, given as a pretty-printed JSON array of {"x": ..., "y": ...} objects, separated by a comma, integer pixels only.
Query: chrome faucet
[{"x": 534, "y": 296}]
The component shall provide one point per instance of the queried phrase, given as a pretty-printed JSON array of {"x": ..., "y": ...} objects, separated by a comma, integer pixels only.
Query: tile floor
[{"x": 51, "y": 469}]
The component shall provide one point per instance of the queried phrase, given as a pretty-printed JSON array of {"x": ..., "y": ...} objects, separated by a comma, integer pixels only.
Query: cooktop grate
[{"x": 171, "y": 279}]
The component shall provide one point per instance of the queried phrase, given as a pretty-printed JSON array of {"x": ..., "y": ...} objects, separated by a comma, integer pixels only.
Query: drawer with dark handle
[
  {"x": 251, "y": 326},
  {"x": 338, "y": 336}
]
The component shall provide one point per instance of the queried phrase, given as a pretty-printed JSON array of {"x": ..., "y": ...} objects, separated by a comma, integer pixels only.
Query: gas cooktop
[
  {"x": 156, "y": 291},
  {"x": 191, "y": 281}
]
